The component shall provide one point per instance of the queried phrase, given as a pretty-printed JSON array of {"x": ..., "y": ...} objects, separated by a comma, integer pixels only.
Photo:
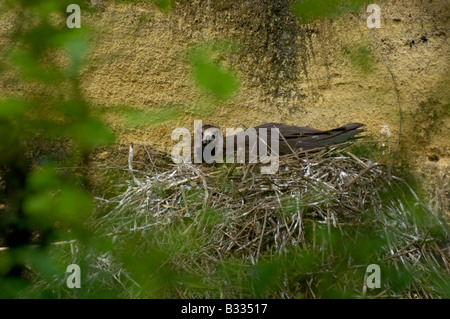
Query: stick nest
[{"x": 236, "y": 211}]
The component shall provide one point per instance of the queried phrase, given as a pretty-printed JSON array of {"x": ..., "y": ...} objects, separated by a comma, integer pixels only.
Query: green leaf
[
  {"x": 141, "y": 119},
  {"x": 311, "y": 10},
  {"x": 12, "y": 108},
  {"x": 215, "y": 80},
  {"x": 6, "y": 262},
  {"x": 209, "y": 73},
  {"x": 164, "y": 5},
  {"x": 31, "y": 69},
  {"x": 361, "y": 57},
  {"x": 44, "y": 263},
  {"x": 90, "y": 132},
  {"x": 76, "y": 43},
  {"x": 40, "y": 208},
  {"x": 45, "y": 178},
  {"x": 74, "y": 206}
]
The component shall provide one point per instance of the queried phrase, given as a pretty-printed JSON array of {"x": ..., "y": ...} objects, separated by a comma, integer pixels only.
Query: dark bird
[{"x": 291, "y": 137}]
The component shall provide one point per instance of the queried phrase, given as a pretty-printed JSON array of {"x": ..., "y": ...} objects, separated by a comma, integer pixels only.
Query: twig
[
  {"x": 130, "y": 164},
  {"x": 149, "y": 156},
  {"x": 364, "y": 171},
  {"x": 262, "y": 235},
  {"x": 356, "y": 158}
]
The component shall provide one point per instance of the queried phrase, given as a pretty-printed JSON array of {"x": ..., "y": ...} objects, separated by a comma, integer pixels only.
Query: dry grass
[{"x": 330, "y": 210}]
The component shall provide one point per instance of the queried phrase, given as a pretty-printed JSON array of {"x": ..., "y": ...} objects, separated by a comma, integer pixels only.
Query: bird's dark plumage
[{"x": 300, "y": 138}]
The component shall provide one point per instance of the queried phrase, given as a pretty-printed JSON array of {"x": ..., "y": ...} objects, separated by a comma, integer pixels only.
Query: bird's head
[{"x": 208, "y": 132}]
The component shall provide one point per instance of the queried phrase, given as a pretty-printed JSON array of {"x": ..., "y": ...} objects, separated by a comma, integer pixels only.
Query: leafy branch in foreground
[{"x": 46, "y": 124}]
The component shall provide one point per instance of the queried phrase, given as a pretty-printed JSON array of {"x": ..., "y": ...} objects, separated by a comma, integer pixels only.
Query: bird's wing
[
  {"x": 290, "y": 131},
  {"x": 334, "y": 136},
  {"x": 300, "y": 137}
]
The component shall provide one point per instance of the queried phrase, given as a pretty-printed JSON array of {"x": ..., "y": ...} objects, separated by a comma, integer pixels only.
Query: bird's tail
[
  {"x": 335, "y": 136},
  {"x": 343, "y": 133}
]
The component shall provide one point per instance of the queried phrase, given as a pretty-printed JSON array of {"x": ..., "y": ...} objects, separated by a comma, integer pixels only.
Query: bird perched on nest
[{"x": 291, "y": 137}]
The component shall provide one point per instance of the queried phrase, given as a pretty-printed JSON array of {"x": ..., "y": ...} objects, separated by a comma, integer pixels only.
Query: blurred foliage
[
  {"x": 377, "y": 152},
  {"x": 210, "y": 71},
  {"x": 139, "y": 119},
  {"x": 311, "y": 10},
  {"x": 361, "y": 57},
  {"x": 47, "y": 126}
]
